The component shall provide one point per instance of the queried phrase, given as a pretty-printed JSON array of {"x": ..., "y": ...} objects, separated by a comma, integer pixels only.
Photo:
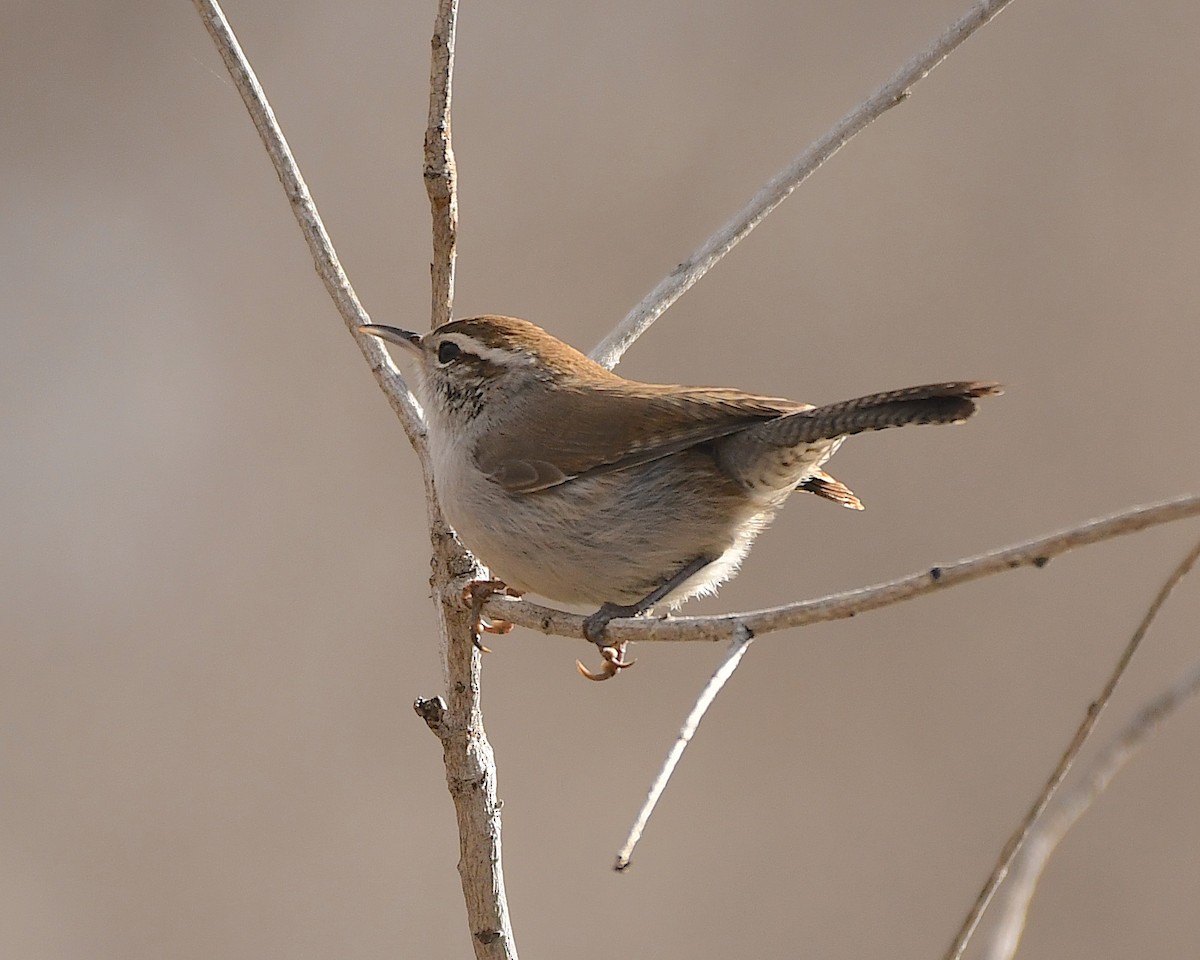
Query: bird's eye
[{"x": 447, "y": 351}]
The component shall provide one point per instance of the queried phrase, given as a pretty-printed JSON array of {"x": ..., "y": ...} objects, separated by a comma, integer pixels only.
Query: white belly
[{"x": 613, "y": 537}]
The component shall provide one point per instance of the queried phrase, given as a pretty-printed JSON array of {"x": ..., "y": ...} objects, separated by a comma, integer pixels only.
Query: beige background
[{"x": 214, "y": 613}]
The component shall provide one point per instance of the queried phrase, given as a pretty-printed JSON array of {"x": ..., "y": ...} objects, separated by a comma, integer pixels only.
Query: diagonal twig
[
  {"x": 894, "y": 91},
  {"x": 320, "y": 246},
  {"x": 1045, "y": 835},
  {"x": 733, "y": 656},
  {"x": 1095, "y": 708}
]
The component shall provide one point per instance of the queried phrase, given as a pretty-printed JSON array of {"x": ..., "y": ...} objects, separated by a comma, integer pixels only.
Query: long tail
[{"x": 932, "y": 403}]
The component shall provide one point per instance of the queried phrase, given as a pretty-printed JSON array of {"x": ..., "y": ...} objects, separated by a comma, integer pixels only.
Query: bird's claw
[
  {"x": 475, "y": 594},
  {"x": 614, "y": 663},
  {"x": 614, "y": 656}
]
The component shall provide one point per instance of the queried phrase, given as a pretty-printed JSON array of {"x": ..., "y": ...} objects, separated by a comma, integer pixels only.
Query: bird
[{"x": 592, "y": 490}]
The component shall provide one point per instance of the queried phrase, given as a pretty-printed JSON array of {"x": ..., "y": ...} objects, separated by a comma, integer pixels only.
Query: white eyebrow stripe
[{"x": 498, "y": 355}]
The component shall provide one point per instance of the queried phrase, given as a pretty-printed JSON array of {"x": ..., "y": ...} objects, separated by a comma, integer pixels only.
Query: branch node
[{"x": 433, "y": 711}]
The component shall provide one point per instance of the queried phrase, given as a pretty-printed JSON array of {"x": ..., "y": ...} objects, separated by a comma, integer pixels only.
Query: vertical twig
[
  {"x": 1015, "y": 842},
  {"x": 458, "y": 720},
  {"x": 441, "y": 175}
]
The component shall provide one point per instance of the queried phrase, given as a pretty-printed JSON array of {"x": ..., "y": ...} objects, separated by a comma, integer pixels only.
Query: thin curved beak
[{"x": 404, "y": 338}]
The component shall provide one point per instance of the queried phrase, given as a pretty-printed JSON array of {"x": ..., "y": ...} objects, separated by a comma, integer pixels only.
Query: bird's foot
[
  {"x": 613, "y": 655},
  {"x": 475, "y": 594},
  {"x": 614, "y": 663}
]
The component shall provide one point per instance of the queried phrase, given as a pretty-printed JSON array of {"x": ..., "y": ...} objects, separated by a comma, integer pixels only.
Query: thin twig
[
  {"x": 733, "y": 656},
  {"x": 1064, "y": 764},
  {"x": 470, "y": 762},
  {"x": 320, "y": 246},
  {"x": 839, "y": 606},
  {"x": 709, "y": 693},
  {"x": 1045, "y": 836},
  {"x": 896, "y": 90},
  {"x": 441, "y": 174},
  {"x": 457, "y": 721}
]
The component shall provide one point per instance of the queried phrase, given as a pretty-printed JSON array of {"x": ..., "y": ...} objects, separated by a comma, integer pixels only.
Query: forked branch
[
  {"x": 1036, "y": 553},
  {"x": 457, "y": 719}
]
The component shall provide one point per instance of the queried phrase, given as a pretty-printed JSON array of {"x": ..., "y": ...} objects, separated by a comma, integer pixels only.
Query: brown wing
[{"x": 550, "y": 441}]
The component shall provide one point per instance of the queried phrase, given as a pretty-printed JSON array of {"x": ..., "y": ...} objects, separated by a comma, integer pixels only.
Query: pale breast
[{"x": 613, "y": 537}]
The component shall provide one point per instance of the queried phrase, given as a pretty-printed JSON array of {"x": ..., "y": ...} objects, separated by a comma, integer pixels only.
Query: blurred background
[{"x": 214, "y": 613}]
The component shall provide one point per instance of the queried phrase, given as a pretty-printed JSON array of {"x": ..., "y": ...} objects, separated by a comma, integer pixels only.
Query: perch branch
[
  {"x": 896, "y": 90},
  {"x": 839, "y": 606},
  {"x": 725, "y": 671},
  {"x": 1090, "y": 718},
  {"x": 325, "y": 259}
]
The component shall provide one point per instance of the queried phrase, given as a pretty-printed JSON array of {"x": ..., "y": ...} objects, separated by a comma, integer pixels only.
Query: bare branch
[
  {"x": 733, "y": 657},
  {"x": 441, "y": 175},
  {"x": 324, "y": 256},
  {"x": 896, "y": 90},
  {"x": 1045, "y": 835},
  {"x": 839, "y": 606},
  {"x": 1092, "y": 715},
  {"x": 457, "y": 720},
  {"x": 470, "y": 763}
]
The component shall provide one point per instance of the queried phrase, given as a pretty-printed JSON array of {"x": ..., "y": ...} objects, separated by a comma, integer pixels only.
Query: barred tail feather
[{"x": 933, "y": 403}]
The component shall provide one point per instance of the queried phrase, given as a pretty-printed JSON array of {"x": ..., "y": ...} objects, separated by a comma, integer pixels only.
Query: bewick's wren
[{"x": 576, "y": 484}]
